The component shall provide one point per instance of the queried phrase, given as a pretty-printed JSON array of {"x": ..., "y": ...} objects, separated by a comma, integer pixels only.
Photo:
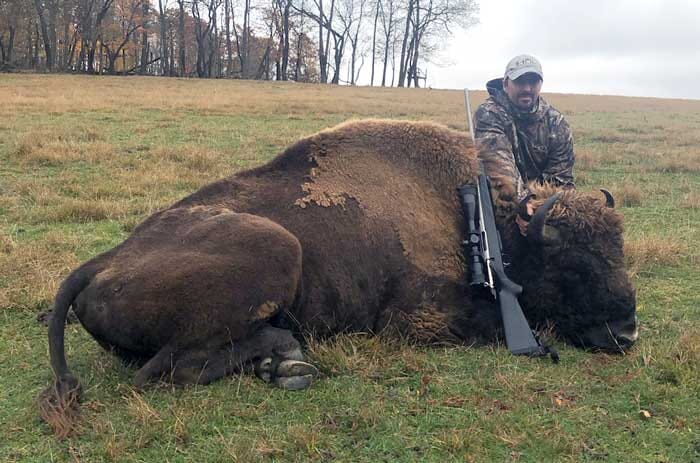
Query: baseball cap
[{"x": 522, "y": 64}]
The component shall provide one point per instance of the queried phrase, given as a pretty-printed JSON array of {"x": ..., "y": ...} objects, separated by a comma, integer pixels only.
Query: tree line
[{"x": 326, "y": 41}]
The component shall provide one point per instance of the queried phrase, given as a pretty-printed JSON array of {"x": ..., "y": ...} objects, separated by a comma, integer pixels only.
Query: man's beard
[{"x": 528, "y": 106}]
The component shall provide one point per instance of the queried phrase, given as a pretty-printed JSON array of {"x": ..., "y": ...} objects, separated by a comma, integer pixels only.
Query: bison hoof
[
  {"x": 288, "y": 374},
  {"x": 294, "y": 375},
  {"x": 263, "y": 369}
]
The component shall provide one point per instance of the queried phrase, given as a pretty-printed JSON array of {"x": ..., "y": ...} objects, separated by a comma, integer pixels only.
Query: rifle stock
[{"x": 488, "y": 270}]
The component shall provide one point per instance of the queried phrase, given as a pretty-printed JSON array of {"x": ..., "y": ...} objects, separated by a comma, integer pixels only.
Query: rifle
[{"x": 487, "y": 269}]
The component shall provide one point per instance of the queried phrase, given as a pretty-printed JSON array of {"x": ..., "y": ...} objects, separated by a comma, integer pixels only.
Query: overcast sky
[{"x": 610, "y": 47}]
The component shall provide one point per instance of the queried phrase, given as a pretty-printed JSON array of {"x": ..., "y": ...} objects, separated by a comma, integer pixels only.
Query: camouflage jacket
[{"x": 517, "y": 147}]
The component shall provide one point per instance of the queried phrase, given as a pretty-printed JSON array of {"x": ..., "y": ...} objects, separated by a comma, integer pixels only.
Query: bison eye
[{"x": 571, "y": 275}]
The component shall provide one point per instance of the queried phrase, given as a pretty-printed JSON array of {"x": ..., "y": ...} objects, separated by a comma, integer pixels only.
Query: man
[{"x": 520, "y": 137}]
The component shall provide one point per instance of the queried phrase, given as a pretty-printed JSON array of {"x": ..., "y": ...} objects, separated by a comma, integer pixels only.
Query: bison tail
[{"x": 58, "y": 403}]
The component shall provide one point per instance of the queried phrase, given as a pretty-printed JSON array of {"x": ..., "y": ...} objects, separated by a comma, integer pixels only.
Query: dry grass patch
[
  {"x": 237, "y": 449},
  {"x": 179, "y": 428},
  {"x": 687, "y": 350},
  {"x": 371, "y": 357},
  {"x": 225, "y": 97},
  {"x": 44, "y": 264},
  {"x": 691, "y": 200},
  {"x": 194, "y": 157},
  {"x": 69, "y": 200},
  {"x": 74, "y": 210},
  {"x": 309, "y": 441},
  {"x": 588, "y": 159},
  {"x": 627, "y": 195},
  {"x": 679, "y": 364},
  {"x": 52, "y": 148},
  {"x": 140, "y": 410},
  {"x": 7, "y": 243},
  {"x": 581, "y": 178},
  {"x": 649, "y": 251},
  {"x": 687, "y": 161},
  {"x": 462, "y": 444},
  {"x": 609, "y": 137}
]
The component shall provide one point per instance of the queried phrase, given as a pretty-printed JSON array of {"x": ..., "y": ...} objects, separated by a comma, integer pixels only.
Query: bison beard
[{"x": 356, "y": 228}]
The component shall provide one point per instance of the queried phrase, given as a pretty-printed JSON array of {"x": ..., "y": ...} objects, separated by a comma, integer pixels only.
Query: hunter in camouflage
[{"x": 520, "y": 137}]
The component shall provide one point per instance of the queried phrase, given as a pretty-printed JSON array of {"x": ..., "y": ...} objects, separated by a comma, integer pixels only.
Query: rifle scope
[{"x": 472, "y": 245}]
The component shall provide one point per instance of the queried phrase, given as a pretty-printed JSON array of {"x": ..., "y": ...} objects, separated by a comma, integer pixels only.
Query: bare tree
[
  {"x": 430, "y": 21},
  {"x": 206, "y": 44},
  {"x": 355, "y": 13},
  {"x": 163, "y": 24},
  {"x": 405, "y": 41},
  {"x": 67, "y": 44},
  {"x": 336, "y": 27},
  {"x": 243, "y": 40},
  {"x": 47, "y": 10},
  {"x": 279, "y": 17},
  {"x": 300, "y": 36},
  {"x": 181, "y": 37},
  {"x": 145, "y": 49},
  {"x": 11, "y": 16},
  {"x": 377, "y": 10},
  {"x": 324, "y": 24},
  {"x": 128, "y": 21},
  {"x": 317, "y": 40},
  {"x": 389, "y": 29},
  {"x": 228, "y": 17},
  {"x": 91, "y": 15}
]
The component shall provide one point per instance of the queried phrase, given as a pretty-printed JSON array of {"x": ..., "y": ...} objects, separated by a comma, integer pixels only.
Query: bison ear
[
  {"x": 609, "y": 199},
  {"x": 536, "y": 230}
]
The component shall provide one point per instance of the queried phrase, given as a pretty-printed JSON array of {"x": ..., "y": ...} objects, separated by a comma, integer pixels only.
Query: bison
[{"x": 356, "y": 228}]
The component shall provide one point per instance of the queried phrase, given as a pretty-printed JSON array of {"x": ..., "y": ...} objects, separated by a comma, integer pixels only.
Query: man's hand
[{"x": 522, "y": 224}]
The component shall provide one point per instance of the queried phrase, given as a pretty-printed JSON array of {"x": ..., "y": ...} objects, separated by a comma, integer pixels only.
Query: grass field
[{"x": 84, "y": 159}]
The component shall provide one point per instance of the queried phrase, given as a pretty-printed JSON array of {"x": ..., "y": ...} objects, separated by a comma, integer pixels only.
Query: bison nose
[
  {"x": 615, "y": 336},
  {"x": 628, "y": 333}
]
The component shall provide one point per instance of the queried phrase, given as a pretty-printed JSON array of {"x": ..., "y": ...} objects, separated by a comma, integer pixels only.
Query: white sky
[{"x": 610, "y": 47}]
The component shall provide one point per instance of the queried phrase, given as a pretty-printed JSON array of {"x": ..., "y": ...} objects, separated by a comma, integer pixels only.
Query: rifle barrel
[{"x": 468, "y": 105}]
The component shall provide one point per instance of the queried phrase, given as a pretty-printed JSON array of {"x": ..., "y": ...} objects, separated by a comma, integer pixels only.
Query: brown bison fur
[
  {"x": 356, "y": 228},
  {"x": 576, "y": 277}
]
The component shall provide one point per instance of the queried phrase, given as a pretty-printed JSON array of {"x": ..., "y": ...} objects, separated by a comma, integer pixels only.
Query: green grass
[{"x": 83, "y": 160}]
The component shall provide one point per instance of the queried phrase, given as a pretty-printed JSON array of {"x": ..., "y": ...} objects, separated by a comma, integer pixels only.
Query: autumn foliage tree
[{"x": 326, "y": 41}]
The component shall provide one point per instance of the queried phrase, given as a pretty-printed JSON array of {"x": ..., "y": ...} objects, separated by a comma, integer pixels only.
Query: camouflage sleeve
[
  {"x": 495, "y": 150},
  {"x": 560, "y": 162}
]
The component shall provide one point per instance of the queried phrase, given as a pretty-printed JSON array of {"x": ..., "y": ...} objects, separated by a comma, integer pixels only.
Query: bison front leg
[{"x": 274, "y": 354}]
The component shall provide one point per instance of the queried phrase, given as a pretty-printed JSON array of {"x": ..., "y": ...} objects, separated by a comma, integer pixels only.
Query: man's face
[{"x": 523, "y": 91}]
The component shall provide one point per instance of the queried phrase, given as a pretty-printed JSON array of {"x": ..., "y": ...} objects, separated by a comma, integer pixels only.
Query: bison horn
[
  {"x": 609, "y": 199},
  {"x": 535, "y": 230}
]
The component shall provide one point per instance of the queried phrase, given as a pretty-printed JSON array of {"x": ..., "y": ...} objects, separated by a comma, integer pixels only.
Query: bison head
[{"x": 572, "y": 270}]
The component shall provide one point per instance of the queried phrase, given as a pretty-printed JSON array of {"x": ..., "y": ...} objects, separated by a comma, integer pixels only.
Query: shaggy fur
[{"x": 356, "y": 228}]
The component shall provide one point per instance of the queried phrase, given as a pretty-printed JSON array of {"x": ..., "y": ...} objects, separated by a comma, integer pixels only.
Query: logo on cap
[{"x": 523, "y": 64}]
